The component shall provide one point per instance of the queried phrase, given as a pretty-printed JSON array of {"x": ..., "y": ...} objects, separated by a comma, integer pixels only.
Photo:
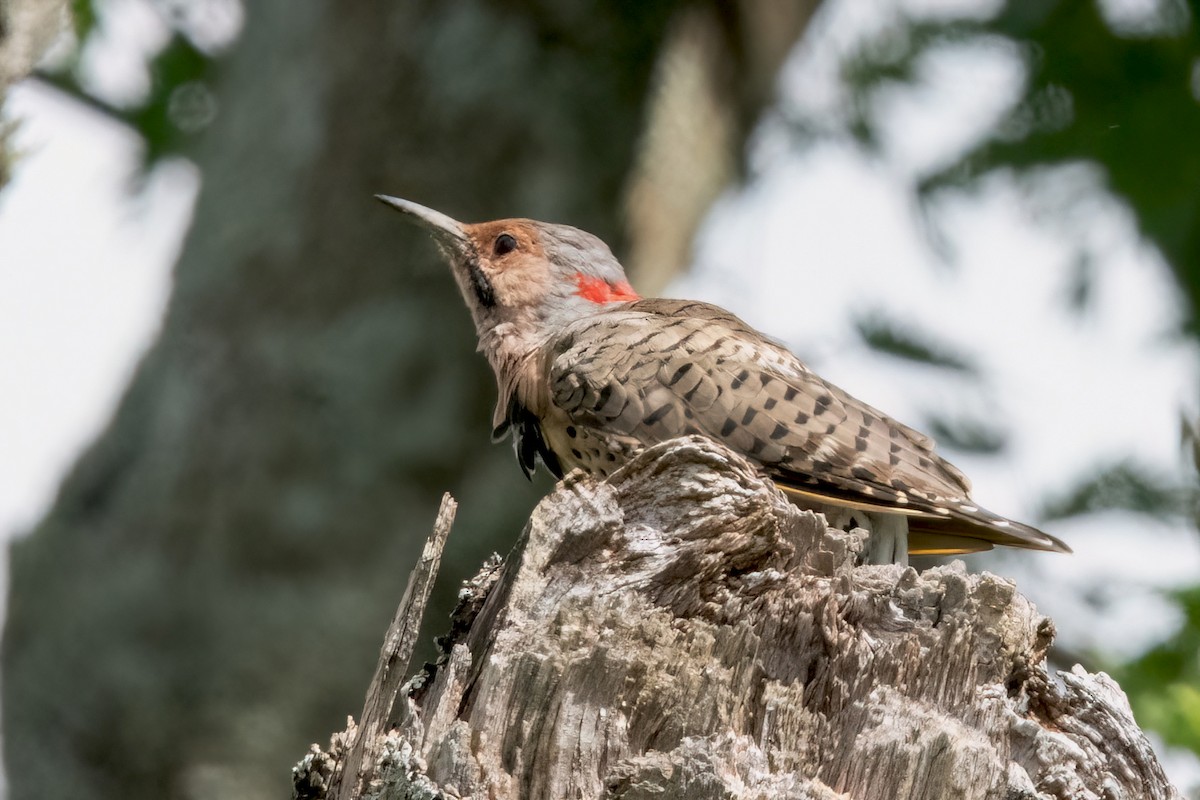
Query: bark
[
  {"x": 681, "y": 631},
  {"x": 27, "y": 28}
]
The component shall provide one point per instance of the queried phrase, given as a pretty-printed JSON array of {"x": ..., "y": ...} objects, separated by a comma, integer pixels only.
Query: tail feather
[{"x": 944, "y": 530}]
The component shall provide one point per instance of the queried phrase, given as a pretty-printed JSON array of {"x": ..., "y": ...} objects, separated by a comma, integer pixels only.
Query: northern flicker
[{"x": 589, "y": 373}]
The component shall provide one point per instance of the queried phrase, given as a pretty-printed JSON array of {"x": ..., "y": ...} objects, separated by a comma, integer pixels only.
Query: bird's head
[{"x": 523, "y": 279}]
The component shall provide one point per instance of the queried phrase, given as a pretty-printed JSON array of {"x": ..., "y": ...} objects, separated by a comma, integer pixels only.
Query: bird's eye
[{"x": 505, "y": 243}]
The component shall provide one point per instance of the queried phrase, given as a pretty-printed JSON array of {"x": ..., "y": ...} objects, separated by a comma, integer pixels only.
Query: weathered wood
[
  {"x": 394, "y": 656},
  {"x": 681, "y": 631}
]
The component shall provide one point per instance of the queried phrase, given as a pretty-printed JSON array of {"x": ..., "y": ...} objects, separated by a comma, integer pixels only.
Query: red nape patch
[{"x": 599, "y": 290}]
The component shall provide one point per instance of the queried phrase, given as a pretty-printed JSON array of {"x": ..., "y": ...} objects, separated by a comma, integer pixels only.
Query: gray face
[{"x": 523, "y": 274}]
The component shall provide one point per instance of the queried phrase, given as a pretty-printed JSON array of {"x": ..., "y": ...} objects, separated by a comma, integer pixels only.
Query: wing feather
[{"x": 658, "y": 369}]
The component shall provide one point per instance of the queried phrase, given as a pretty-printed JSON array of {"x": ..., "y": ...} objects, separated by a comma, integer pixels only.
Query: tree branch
[{"x": 394, "y": 656}]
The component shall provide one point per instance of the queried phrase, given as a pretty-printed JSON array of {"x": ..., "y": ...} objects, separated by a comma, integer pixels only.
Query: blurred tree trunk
[{"x": 205, "y": 596}]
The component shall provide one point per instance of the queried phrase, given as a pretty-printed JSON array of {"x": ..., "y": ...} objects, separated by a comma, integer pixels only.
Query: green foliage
[
  {"x": 967, "y": 435},
  {"x": 177, "y": 67},
  {"x": 1163, "y": 684},
  {"x": 886, "y": 336},
  {"x": 1124, "y": 485},
  {"x": 177, "y": 103},
  {"x": 1124, "y": 98},
  {"x": 83, "y": 16},
  {"x": 1132, "y": 107},
  {"x": 901, "y": 340}
]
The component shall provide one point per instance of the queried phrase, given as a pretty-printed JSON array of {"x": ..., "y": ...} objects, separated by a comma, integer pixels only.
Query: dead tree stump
[{"x": 681, "y": 631}]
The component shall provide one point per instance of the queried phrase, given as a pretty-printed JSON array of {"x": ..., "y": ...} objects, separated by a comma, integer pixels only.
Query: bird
[{"x": 589, "y": 374}]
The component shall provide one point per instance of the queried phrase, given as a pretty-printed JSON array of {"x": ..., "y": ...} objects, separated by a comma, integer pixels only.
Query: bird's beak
[{"x": 448, "y": 231}]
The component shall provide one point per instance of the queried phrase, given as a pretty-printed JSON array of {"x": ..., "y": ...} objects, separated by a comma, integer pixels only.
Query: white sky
[
  {"x": 84, "y": 276},
  {"x": 817, "y": 236}
]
